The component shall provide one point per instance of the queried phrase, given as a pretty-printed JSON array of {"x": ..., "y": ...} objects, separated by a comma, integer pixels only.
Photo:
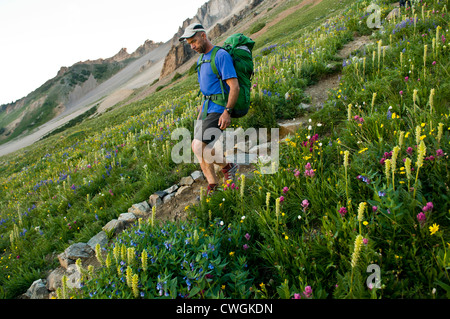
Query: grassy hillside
[
  {"x": 54, "y": 92},
  {"x": 365, "y": 184}
]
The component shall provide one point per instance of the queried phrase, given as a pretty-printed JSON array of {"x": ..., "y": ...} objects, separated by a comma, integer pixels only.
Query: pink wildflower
[
  {"x": 342, "y": 211},
  {"x": 308, "y": 291},
  {"x": 309, "y": 173},
  {"x": 305, "y": 204},
  {"x": 428, "y": 207},
  {"x": 421, "y": 218}
]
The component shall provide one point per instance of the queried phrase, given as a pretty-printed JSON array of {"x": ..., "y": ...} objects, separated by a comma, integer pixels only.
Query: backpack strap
[
  {"x": 220, "y": 99},
  {"x": 214, "y": 69}
]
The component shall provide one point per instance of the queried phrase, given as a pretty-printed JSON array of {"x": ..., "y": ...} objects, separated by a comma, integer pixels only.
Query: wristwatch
[{"x": 229, "y": 110}]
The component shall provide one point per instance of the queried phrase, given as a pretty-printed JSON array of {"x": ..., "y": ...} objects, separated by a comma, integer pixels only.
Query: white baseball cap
[{"x": 191, "y": 30}]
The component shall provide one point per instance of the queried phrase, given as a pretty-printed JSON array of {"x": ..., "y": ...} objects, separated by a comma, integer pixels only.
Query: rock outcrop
[
  {"x": 122, "y": 55},
  {"x": 216, "y": 16}
]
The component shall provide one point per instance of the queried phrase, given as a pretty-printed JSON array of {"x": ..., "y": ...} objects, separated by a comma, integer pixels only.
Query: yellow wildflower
[
  {"x": 434, "y": 229},
  {"x": 363, "y": 150}
]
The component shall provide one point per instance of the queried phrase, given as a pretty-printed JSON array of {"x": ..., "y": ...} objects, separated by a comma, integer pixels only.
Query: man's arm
[
  {"x": 234, "y": 92},
  {"x": 225, "y": 118},
  {"x": 199, "y": 112}
]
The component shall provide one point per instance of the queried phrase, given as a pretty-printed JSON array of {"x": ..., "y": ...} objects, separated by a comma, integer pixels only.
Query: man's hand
[{"x": 224, "y": 120}]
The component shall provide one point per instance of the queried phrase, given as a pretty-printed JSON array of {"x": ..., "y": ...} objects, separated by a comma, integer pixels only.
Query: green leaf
[
  {"x": 445, "y": 287},
  {"x": 194, "y": 291},
  {"x": 283, "y": 290}
]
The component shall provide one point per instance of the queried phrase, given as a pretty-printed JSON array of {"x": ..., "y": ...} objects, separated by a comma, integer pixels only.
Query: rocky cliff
[
  {"x": 124, "y": 55},
  {"x": 216, "y": 16}
]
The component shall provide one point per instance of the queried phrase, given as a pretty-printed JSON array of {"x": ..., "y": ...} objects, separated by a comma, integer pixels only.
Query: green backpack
[{"x": 240, "y": 48}]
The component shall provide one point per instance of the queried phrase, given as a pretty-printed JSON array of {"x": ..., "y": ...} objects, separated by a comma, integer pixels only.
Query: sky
[{"x": 38, "y": 37}]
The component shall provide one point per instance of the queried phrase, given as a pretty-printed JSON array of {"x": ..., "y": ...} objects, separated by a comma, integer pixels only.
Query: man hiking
[{"x": 212, "y": 118}]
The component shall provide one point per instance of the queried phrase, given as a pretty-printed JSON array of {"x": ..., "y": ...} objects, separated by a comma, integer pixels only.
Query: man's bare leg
[{"x": 207, "y": 160}]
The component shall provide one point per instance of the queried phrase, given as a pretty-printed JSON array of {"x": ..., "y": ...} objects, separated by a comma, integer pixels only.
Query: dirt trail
[
  {"x": 174, "y": 209},
  {"x": 319, "y": 92}
]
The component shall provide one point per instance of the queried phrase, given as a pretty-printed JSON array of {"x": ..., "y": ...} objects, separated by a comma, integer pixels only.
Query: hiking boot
[
  {"x": 229, "y": 172},
  {"x": 210, "y": 189}
]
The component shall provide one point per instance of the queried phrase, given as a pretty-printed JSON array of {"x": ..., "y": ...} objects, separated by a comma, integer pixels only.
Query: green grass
[{"x": 296, "y": 23}]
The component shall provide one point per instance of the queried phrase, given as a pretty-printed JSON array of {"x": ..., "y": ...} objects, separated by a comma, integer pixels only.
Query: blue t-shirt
[{"x": 209, "y": 83}]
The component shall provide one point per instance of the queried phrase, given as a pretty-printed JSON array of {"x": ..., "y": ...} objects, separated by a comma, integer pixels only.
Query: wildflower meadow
[{"x": 357, "y": 208}]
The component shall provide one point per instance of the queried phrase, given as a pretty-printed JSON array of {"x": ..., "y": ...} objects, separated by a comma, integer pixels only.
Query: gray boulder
[
  {"x": 101, "y": 238},
  {"x": 114, "y": 226},
  {"x": 38, "y": 290},
  {"x": 127, "y": 218},
  {"x": 73, "y": 252},
  {"x": 140, "y": 209}
]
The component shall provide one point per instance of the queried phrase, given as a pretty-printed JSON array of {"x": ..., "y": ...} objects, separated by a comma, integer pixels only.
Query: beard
[{"x": 201, "y": 48}]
